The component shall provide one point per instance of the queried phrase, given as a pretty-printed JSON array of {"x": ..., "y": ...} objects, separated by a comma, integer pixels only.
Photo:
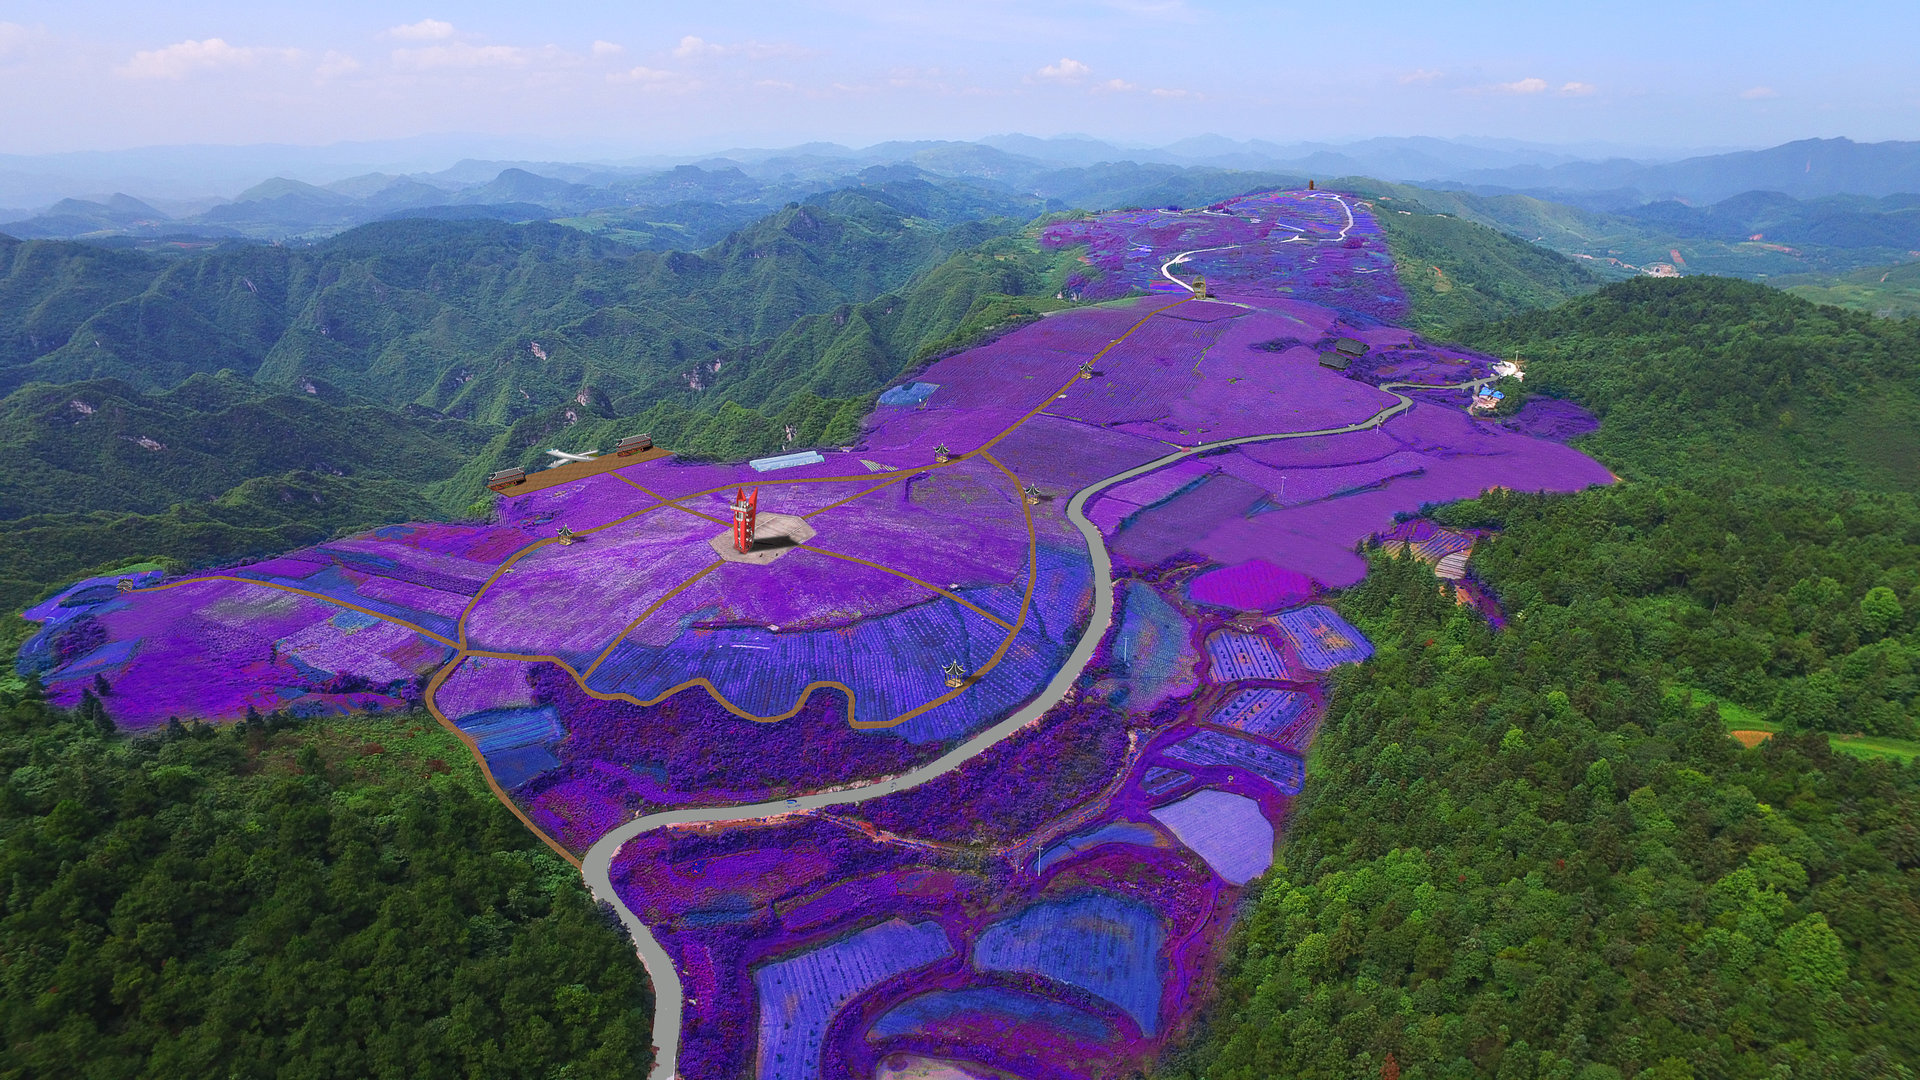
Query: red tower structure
[{"x": 746, "y": 511}]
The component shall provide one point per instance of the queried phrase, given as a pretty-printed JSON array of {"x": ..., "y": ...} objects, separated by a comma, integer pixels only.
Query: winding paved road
[{"x": 597, "y": 867}]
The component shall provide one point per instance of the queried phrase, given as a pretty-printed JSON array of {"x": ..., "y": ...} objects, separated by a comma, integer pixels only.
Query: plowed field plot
[{"x": 976, "y": 767}]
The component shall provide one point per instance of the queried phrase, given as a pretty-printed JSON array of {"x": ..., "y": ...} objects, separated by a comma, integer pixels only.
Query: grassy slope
[
  {"x": 1886, "y": 291},
  {"x": 1456, "y": 272}
]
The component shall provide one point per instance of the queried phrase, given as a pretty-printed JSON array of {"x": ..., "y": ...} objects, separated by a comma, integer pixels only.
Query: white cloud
[
  {"x": 918, "y": 78},
  {"x": 1173, "y": 9},
  {"x": 607, "y": 48},
  {"x": 1168, "y": 92},
  {"x": 1421, "y": 75},
  {"x": 424, "y": 30},
  {"x": 336, "y": 63},
  {"x": 652, "y": 79},
  {"x": 693, "y": 48},
  {"x": 14, "y": 36},
  {"x": 460, "y": 54},
  {"x": 181, "y": 59},
  {"x": 1578, "y": 89},
  {"x": 1524, "y": 86},
  {"x": 1117, "y": 86},
  {"x": 1758, "y": 92},
  {"x": 1067, "y": 70}
]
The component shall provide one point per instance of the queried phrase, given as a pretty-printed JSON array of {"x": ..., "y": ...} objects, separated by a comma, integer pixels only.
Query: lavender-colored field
[
  {"x": 1043, "y": 910},
  {"x": 1545, "y": 418},
  {"x": 1240, "y": 655},
  {"x": 1227, "y": 830},
  {"x": 1269, "y": 713},
  {"x": 1322, "y": 638},
  {"x": 1216, "y": 748},
  {"x": 798, "y": 997},
  {"x": 1254, "y": 585},
  {"x": 1104, "y": 945}
]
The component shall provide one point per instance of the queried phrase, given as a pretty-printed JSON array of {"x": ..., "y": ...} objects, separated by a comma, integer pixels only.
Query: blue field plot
[
  {"x": 1118, "y": 832},
  {"x": 352, "y": 621},
  {"x": 333, "y": 582},
  {"x": 110, "y": 655},
  {"x": 909, "y": 393},
  {"x": 1153, "y": 634},
  {"x": 799, "y": 995},
  {"x": 514, "y": 741},
  {"x": 1243, "y": 656},
  {"x": 1323, "y": 639},
  {"x": 1225, "y": 829},
  {"x": 1102, "y": 944},
  {"x": 1271, "y": 714},
  {"x": 1159, "y": 779},
  {"x": 894, "y": 664},
  {"x": 503, "y": 729},
  {"x": 998, "y": 1006},
  {"x": 517, "y": 765},
  {"x": 1277, "y": 767}
]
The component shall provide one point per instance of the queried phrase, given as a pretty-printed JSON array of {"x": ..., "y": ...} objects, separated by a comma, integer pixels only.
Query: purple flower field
[{"x": 1045, "y": 909}]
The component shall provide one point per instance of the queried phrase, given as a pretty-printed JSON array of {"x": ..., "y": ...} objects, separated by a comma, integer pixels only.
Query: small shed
[
  {"x": 1336, "y": 361},
  {"x": 1351, "y": 346}
]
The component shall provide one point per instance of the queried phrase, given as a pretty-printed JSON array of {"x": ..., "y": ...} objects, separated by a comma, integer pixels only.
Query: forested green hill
[
  {"x": 1713, "y": 376},
  {"x": 104, "y": 445},
  {"x": 314, "y": 900},
  {"x": 1533, "y": 851},
  {"x": 1457, "y": 272},
  {"x": 220, "y": 406},
  {"x": 477, "y": 319}
]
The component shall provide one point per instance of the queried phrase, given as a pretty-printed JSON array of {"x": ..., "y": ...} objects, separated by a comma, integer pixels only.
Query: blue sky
[{"x": 645, "y": 77}]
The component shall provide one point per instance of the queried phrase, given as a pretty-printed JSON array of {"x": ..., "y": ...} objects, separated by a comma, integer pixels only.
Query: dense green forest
[
  {"x": 231, "y": 404},
  {"x": 283, "y": 899},
  {"x": 1711, "y": 378},
  {"x": 1533, "y": 851},
  {"x": 1517, "y": 857},
  {"x": 479, "y": 320},
  {"x": 1770, "y": 553},
  {"x": 1755, "y": 235}
]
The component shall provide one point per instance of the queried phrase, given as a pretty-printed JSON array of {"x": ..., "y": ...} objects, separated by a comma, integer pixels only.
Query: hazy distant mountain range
[{"x": 305, "y": 192}]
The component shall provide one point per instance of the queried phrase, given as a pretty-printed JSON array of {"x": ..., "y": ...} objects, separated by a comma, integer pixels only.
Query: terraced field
[{"x": 832, "y": 859}]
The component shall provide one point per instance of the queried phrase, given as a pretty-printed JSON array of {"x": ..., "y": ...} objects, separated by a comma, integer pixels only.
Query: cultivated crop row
[
  {"x": 1322, "y": 638},
  {"x": 1277, "y": 767},
  {"x": 1105, "y": 945},
  {"x": 1238, "y": 655},
  {"x": 799, "y": 996},
  {"x": 1268, "y": 713}
]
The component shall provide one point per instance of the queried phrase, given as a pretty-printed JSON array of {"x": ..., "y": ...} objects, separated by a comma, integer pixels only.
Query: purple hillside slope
[{"x": 1052, "y": 907}]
